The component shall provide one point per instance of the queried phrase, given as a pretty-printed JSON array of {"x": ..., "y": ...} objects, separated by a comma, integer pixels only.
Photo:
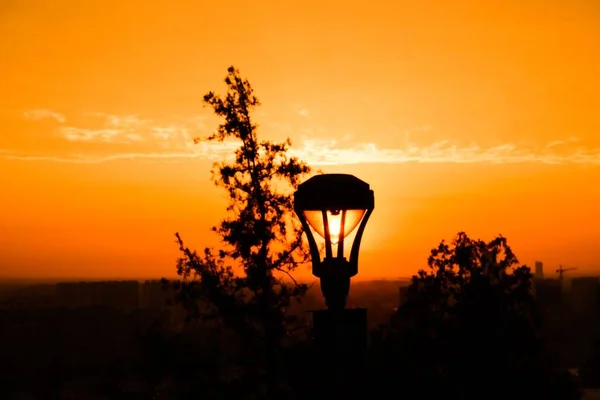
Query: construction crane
[{"x": 560, "y": 271}]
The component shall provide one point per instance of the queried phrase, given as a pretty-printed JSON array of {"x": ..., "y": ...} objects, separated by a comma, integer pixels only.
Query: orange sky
[{"x": 462, "y": 115}]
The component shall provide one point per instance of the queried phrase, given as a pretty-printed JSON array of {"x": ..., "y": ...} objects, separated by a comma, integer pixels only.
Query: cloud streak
[
  {"x": 172, "y": 140},
  {"x": 116, "y": 129},
  {"x": 42, "y": 113},
  {"x": 87, "y": 135},
  {"x": 91, "y": 159},
  {"x": 131, "y": 121},
  {"x": 329, "y": 152}
]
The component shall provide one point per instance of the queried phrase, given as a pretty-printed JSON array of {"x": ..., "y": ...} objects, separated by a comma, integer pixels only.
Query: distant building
[
  {"x": 115, "y": 294},
  {"x": 402, "y": 293},
  {"x": 72, "y": 294},
  {"x": 30, "y": 297},
  {"x": 539, "y": 270},
  {"x": 585, "y": 297},
  {"x": 154, "y": 295},
  {"x": 402, "y": 297},
  {"x": 547, "y": 292}
]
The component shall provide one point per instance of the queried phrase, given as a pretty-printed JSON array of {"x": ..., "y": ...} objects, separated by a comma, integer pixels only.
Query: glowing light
[{"x": 351, "y": 219}]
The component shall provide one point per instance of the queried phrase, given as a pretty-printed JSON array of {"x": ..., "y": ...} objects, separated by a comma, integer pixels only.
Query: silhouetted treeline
[{"x": 102, "y": 352}]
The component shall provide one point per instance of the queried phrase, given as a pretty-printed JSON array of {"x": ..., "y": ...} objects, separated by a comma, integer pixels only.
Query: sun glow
[{"x": 338, "y": 221}]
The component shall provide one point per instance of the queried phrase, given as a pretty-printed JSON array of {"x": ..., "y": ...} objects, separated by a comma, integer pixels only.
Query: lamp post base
[{"x": 340, "y": 338}]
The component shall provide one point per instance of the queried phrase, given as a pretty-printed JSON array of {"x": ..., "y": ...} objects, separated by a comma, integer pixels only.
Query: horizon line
[{"x": 143, "y": 278}]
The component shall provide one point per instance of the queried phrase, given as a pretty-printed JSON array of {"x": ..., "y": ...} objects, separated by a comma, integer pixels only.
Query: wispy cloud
[
  {"x": 330, "y": 152},
  {"x": 115, "y": 129},
  {"x": 556, "y": 143},
  {"x": 107, "y": 135},
  {"x": 207, "y": 151},
  {"x": 130, "y": 121},
  {"x": 42, "y": 113},
  {"x": 173, "y": 137},
  {"x": 91, "y": 159},
  {"x": 133, "y": 137},
  {"x": 172, "y": 140},
  {"x": 87, "y": 135},
  {"x": 165, "y": 132}
]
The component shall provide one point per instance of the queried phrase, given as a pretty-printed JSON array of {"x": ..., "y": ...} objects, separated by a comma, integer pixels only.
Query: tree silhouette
[
  {"x": 247, "y": 285},
  {"x": 469, "y": 326}
]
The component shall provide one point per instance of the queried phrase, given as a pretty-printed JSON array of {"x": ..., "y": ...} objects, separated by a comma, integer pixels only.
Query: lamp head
[
  {"x": 334, "y": 192},
  {"x": 334, "y": 205}
]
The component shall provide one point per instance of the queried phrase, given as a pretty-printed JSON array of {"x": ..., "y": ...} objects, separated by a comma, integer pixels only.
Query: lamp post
[{"x": 334, "y": 205}]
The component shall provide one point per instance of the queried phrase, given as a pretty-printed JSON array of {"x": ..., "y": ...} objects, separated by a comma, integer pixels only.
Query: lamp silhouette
[{"x": 333, "y": 206}]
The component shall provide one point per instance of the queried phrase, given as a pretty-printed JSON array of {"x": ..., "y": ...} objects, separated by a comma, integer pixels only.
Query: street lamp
[{"x": 333, "y": 206}]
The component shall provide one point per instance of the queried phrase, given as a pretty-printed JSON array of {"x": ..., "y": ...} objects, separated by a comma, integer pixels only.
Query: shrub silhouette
[{"x": 469, "y": 328}]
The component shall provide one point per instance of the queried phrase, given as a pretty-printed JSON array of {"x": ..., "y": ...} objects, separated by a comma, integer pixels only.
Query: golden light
[{"x": 338, "y": 221}]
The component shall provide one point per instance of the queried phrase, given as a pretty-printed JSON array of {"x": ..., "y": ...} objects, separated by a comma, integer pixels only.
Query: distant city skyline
[{"x": 548, "y": 274}]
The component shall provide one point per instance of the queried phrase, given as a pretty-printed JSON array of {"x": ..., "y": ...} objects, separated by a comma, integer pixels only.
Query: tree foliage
[
  {"x": 476, "y": 282},
  {"x": 469, "y": 327},
  {"x": 247, "y": 285}
]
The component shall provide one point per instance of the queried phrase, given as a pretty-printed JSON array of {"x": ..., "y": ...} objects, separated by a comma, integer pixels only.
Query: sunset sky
[{"x": 476, "y": 116}]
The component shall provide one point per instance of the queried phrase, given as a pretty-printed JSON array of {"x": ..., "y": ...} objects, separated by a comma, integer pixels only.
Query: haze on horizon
[{"x": 462, "y": 116}]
